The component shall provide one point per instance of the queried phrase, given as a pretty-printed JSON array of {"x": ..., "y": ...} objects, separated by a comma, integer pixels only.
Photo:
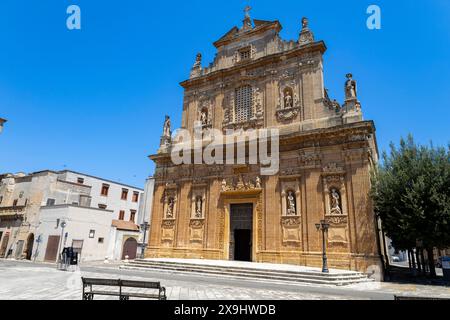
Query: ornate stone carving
[
  {"x": 291, "y": 229},
  {"x": 309, "y": 159},
  {"x": 290, "y": 221},
  {"x": 241, "y": 183},
  {"x": 338, "y": 219}
]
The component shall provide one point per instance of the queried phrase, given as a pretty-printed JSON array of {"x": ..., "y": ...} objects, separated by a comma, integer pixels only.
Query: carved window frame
[{"x": 256, "y": 118}]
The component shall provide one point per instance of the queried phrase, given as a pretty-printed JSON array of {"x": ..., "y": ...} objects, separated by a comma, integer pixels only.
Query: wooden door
[{"x": 52, "y": 248}]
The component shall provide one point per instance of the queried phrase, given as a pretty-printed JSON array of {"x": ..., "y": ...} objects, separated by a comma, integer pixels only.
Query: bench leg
[{"x": 88, "y": 296}]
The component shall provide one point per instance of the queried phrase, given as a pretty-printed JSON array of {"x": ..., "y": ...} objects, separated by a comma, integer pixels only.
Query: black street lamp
[
  {"x": 144, "y": 227},
  {"x": 323, "y": 226}
]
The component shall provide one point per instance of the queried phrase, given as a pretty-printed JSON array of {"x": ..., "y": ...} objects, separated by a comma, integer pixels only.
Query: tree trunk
[
  {"x": 419, "y": 264},
  {"x": 431, "y": 262},
  {"x": 413, "y": 262},
  {"x": 424, "y": 262},
  {"x": 409, "y": 259}
]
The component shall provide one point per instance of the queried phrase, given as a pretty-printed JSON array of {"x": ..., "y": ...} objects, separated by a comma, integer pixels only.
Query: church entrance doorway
[{"x": 241, "y": 222}]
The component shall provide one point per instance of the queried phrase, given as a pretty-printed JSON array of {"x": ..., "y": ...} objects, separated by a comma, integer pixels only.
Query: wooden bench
[{"x": 89, "y": 291}]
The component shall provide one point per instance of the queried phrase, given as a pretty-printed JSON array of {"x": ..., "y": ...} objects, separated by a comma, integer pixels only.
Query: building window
[
  {"x": 245, "y": 53},
  {"x": 91, "y": 233},
  {"x": 132, "y": 215},
  {"x": 15, "y": 202},
  {"x": 50, "y": 202},
  {"x": 80, "y": 180},
  {"x": 121, "y": 215},
  {"x": 105, "y": 189},
  {"x": 243, "y": 104},
  {"x": 1, "y": 199},
  {"x": 101, "y": 240},
  {"x": 102, "y": 206},
  {"x": 135, "y": 196},
  {"x": 124, "y": 194}
]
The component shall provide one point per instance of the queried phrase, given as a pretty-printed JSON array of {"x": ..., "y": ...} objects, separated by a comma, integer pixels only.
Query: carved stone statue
[
  {"x": 204, "y": 117},
  {"x": 350, "y": 87},
  {"x": 224, "y": 185},
  {"x": 304, "y": 23},
  {"x": 170, "y": 206},
  {"x": 287, "y": 99},
  {"x": 258, "y": 183},
  {"x": 198, "y": 207},
  {"x": 166, "y": 128},
  {"x": 291, "y": 210},
  {"x": 198, "y": 61},
  {"x": 335, "y": 202}
]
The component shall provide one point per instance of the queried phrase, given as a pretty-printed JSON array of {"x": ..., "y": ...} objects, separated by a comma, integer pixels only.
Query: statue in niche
[
  {"x": 166, "y": 128},
  {"x": 170, "y": 206},
  {"x": 287, "y": 99},
  {"x": 335, "y": 202},
  {"x": 350, "y": 87},
  {"x": 204, "y": 117},
  {"x": 291, "y": 208},
  {"x": 198, "y": 207}
]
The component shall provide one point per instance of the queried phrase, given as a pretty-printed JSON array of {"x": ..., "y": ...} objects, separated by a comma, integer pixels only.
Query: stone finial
[{"x": 306, "y": 36}]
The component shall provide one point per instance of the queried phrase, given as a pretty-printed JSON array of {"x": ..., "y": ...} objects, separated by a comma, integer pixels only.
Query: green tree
[{"x": 411, "y": 193}]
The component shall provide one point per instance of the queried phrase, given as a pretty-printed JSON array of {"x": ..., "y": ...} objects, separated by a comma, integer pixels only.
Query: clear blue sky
[{"x": 94, "y": 100}]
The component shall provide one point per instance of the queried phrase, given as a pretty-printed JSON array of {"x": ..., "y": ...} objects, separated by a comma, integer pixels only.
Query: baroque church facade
[{"x": 326, "y": 151}]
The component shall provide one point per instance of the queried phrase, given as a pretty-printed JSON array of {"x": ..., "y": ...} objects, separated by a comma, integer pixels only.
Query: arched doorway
[
  {"x": 129, "y": 248},
  {"x": 29, "y": 250}
]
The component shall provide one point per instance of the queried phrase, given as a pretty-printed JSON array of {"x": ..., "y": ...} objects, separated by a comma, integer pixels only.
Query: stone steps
[{"x": 313, "y": 277}]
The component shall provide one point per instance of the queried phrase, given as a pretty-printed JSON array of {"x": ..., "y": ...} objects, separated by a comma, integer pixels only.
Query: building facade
[
  {"x": 99, "y": 216},
  {"x": 326, "y": 151}
]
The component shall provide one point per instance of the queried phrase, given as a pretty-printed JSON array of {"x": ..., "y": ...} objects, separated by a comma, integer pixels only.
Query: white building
[{"x": 33, "y": 208}]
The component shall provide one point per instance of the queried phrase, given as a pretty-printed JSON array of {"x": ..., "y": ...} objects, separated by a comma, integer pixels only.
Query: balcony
[{"x": 16, "y": 212}]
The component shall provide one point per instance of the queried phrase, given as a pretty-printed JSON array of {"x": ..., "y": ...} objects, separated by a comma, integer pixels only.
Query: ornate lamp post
[
  {"x": 323, "y": 226},
  {"x": 144, "y": 227}
]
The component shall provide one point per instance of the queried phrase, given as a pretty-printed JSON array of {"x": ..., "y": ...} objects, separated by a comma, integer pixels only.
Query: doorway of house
[
  {"x": 241, "y": 222},
  {"x": 29, "y": 250},
  {"x": 129, "y": 249}
]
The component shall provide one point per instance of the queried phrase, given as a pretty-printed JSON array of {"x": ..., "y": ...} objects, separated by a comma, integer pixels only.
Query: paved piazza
[{"x": 25, "y": 280}]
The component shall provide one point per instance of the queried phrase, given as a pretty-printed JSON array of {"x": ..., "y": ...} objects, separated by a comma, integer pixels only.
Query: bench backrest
[
  {"x": 123, "y": 283},
  {"x": 101, "y": 282},
  {"x": 140, "y": 284}
]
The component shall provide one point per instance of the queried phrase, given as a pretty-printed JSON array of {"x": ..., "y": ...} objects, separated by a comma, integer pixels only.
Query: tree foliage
[{"x": 411, "y": 193}]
